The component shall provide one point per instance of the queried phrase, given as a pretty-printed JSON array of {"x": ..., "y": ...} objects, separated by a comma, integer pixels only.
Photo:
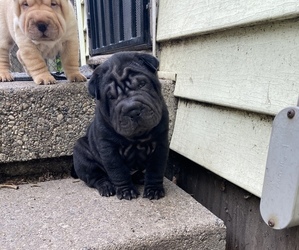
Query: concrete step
[{"x": 66, "y": 214}]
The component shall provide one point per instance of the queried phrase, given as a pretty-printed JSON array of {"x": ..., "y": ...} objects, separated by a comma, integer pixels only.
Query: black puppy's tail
[{"x": 73, "y": 172}]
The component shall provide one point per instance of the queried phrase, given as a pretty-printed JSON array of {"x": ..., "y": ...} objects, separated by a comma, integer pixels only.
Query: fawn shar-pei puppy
[{"x": 42, "y": 29}]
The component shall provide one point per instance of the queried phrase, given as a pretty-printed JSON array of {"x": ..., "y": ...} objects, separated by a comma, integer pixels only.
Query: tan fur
[{"x": 19, "y": 23}]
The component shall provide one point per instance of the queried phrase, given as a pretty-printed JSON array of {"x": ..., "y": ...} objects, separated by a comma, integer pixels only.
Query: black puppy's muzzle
[{"x": 134, "y": 114}]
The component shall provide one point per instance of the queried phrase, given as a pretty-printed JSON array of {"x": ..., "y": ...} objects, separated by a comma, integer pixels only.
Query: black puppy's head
[{"x": 128, "y": 92}]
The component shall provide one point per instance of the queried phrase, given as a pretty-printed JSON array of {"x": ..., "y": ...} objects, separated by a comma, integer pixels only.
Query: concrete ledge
[
  {"x": 44, "y": 121},
  {"x": 66, "y": 214}
]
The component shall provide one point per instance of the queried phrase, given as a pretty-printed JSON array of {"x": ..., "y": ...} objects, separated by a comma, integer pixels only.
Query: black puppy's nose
[
  {"x": 134, "y": 114},
  {"x": 42, "y": 27}
]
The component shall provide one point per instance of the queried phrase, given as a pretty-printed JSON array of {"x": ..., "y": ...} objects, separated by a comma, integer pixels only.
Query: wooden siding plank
[
  {"x": 192, "y": 17},
  {"x": 253, "y": 68},
  {"x": 233, "y": 144}
]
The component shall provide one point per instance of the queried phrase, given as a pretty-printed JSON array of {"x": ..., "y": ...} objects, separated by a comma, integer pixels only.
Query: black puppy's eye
[
  {"x": 141, "y": 84},
  {"x": 110, "y": 96},
  {"x": 138, "y": 81}
]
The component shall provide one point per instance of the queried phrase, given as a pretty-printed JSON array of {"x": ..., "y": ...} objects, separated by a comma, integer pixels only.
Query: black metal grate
[{"x": 115, "y": 25}]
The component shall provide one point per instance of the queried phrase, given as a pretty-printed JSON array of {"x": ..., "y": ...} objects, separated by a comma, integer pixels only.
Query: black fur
[{"x": 129, "y": 134}]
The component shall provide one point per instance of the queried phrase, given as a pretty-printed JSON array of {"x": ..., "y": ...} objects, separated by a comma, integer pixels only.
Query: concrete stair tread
[{"x": 66, "y": 214}]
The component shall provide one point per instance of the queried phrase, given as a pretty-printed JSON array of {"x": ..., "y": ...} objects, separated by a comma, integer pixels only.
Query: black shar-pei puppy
[{"x": 129, "y": 134}]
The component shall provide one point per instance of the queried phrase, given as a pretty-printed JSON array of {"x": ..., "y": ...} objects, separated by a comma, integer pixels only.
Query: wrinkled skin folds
[{"x": 127, "y": 142}]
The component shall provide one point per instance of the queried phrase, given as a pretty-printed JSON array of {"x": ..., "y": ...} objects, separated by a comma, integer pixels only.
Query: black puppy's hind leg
[{"x": 89, "y": 171}]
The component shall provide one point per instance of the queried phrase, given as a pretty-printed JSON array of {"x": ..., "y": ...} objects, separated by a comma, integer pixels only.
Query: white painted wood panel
[
  {"x": 254, "y": 68},
  {"x": 179, "y": 18},
  {"x": 82, "y": 31},
  {"x": 233, "y": 144}
]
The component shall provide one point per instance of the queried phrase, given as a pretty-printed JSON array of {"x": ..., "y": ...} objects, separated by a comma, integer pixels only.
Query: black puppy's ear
[
  {"x": 150, "y": 62},
  {"x": 94, "y": 86}
]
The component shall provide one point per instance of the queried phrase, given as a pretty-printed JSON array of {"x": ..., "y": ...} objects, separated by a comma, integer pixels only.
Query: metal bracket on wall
[{"x": 280, "y": 196}]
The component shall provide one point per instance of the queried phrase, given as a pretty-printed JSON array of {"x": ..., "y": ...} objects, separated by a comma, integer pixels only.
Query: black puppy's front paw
[
  {"x": 153, "y": 193},
  {"x": 127, "y": 193},
  {"x": 105, "y": 188}
]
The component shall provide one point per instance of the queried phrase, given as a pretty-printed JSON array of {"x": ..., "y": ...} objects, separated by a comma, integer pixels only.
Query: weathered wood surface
[
  {"x": 253, "y": 68},
  {"x": 179, "y": 19},
  {"x": 233, "y": 144}
]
